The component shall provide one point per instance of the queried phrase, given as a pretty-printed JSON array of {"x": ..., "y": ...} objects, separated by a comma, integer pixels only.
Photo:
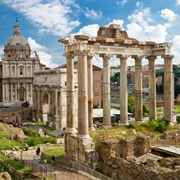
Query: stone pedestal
[{"x": 79, "y": 149}]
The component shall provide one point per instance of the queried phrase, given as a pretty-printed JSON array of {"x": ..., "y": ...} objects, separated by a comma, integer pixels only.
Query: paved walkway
[{"x": 65, "y": 173}]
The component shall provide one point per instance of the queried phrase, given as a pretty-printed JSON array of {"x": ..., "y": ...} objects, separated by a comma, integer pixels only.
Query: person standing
[{"x": 27, "y": 147}]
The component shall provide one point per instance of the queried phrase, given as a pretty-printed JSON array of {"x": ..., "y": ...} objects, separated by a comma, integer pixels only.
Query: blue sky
[{"x": 43, "y": 22}]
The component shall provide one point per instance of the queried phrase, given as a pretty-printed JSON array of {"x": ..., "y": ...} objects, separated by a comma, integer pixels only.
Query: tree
[{"x": 131, "y": 104}]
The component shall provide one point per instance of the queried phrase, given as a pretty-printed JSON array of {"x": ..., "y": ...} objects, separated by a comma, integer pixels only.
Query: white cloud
[
  {"x": 116, "y": 21},
  {"x": 92, "y": 14},
  {"x": 44, "y": 57},
  {"x": 178, "y": 2},
  {"x": 50, "y": 16},
  {"x": 90, "y": 30},
  {"x": 168, "y": 15},
  {"x": 175, "y": 49},
  {"x": 121, "y": 3},
  {"x": 141, "y": 28}
]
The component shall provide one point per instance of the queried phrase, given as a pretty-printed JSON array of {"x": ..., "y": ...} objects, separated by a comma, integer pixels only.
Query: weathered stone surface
[{"x": 5, "y": 176}]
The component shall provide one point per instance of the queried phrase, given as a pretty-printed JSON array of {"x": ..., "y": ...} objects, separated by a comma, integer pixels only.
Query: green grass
[
  {"x": 19, "y": 165},
  {"x": 56, "y": 151},
  {"x": 177, "y": 108},
  {"x": 7, "y": 143}
]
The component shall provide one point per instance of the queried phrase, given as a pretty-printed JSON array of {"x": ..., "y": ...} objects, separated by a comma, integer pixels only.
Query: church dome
[{"x": 17, "y": 46}]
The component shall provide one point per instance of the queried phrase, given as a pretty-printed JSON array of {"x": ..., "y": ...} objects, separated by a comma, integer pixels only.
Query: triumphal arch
[{"x": 111, "y": 41}]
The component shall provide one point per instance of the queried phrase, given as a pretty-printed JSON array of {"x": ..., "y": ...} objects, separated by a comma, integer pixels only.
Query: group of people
[{"x": 44, "y": 161}]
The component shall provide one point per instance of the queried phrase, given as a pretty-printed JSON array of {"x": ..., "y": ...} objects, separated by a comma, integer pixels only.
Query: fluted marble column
[
  {"x": 168, "y": 89},
  {"x": 90, "y": 92},
  {"x": 70, "y": 125},
  {"x": 106, "y": 91},
  {"x": 83, "y": 131},
  {"x": 138, "y": 90},
  {"x": 123, "y": 91},
  {"x": 152, "y": 87}
]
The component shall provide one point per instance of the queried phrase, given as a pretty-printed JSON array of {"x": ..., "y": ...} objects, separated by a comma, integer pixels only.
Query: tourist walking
[{"x": 38, "y": 150}]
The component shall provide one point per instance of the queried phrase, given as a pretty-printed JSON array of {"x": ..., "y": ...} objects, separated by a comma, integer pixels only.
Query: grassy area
[
  {"x": 177, "y": 108},
  {"x": 56, "y": 151},
  {"x": 6, "y": 142},
  {"x": 151, "y": 128},
  {"x": 19, "y": 165}
]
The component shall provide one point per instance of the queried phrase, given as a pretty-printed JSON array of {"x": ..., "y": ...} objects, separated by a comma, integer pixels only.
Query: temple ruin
[{"x": 111, "y": 41}]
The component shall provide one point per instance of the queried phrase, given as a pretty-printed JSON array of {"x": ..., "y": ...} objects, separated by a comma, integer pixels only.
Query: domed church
[{"x": 17, "y": 69}]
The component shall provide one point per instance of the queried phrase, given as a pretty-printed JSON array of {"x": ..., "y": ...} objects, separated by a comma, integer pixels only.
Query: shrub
[
  {"x": 158, "y": 125},
  {"x": 145, "y": 110},
  {"x": 31, "y": 141},
  {"x": 178, "y": 119},
  {"x": 30, "y": 132},
  {"x": 130, "y": 126}
]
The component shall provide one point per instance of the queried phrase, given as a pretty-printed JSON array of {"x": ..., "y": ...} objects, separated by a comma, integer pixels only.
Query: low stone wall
[{"x": 42, "y": 170}]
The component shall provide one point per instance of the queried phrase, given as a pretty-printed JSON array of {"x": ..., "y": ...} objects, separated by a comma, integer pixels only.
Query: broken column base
[{"x": 80, "y": 149}]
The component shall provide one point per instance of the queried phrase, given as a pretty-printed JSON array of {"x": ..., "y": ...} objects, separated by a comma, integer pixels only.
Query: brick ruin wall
[{"x": 118, "y": 160}]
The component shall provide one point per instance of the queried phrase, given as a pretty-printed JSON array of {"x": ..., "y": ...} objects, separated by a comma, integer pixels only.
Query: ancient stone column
[
  {"x": 82, "y": 96},
  {"x": 39, "y": 104},
  {"x": 70, "y": 126},
  {"x": 56, "y": 117},
  {"x": 123, "y": 91},
  {"x": 4, "y": 92},
  {"x": 138, "y": 89},
  {"x": 152, "y": 87},
  {"x": 90, "y": 92},
  {"x": 106, "y": 91},
  {"x": 168, "y": 90}
]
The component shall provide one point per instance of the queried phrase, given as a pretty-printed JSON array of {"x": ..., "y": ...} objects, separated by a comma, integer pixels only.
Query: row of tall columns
[
  {"x": 85, "y": 91},
  {"x": 85, "y": 94}
]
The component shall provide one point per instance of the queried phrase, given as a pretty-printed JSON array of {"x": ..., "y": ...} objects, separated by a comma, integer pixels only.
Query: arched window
[{"x": 21, "y": 71}]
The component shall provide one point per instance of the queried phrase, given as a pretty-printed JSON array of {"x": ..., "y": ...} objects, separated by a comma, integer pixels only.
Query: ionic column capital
[
  {"x": 106, "y": 56},
  {"x": 167, "y": 57},
  {"x": 151, "y": 58},
  {"x": 82, "y": 53},
  {"x": 90, "y": 55},
  {"x": 137, "y": 58},
  {"x": 122, "y": 57},
  {"x": 69, "y": 55}
]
